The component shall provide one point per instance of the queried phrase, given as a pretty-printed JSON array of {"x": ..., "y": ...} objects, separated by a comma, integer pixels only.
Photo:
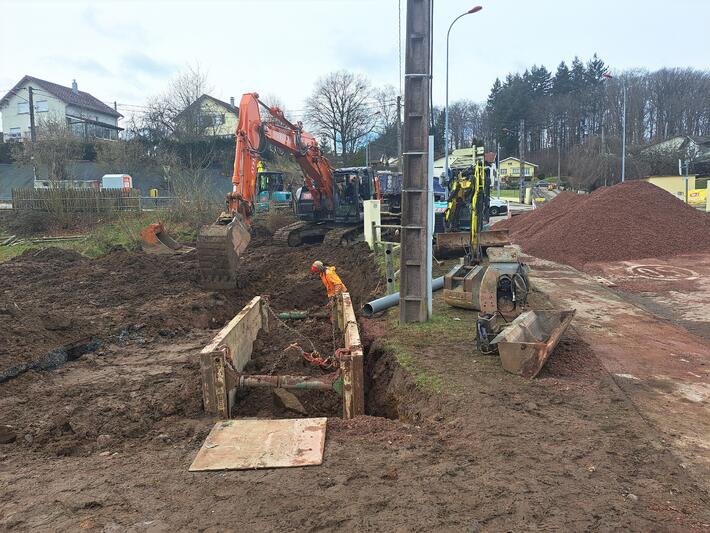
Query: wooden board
[{"x": 250, "y": 444}]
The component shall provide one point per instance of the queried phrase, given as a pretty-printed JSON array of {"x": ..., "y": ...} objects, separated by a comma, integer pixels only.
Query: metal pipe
[
  {"x": 287, "y": 382},
  {"x": 375, "y": 306}
]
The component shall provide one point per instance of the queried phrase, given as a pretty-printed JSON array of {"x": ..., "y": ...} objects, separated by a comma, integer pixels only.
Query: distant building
[
  {"x": 510, "y": 168},
  {"x": 85, "y": 114},
  {"x": 459, "y": 159},
  {"x": 663, "y": 156},
  {"x": 208, "y": 116},
  {"x": 673, "y": 184}
]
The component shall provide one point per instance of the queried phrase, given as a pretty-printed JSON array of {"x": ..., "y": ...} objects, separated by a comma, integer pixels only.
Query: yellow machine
[
  {"x": 493, "y": 281},
  {"x": 491, "y": 278},
  {"x": 466, "y": 213}
]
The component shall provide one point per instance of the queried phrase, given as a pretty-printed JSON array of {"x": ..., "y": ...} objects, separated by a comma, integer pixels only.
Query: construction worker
[{"x": 333, "y": 284}]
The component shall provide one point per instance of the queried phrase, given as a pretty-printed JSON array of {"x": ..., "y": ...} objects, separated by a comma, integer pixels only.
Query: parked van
[{"x": 116, "y": 181}]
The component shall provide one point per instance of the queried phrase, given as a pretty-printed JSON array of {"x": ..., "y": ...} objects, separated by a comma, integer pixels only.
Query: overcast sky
[{"x": 127, "y": 50}]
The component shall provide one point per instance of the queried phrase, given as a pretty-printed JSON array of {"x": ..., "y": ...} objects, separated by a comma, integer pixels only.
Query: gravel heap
[{"x": 629, "y": 221}]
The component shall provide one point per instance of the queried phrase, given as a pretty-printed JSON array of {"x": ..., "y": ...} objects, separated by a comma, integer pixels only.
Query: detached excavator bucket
[
  {"x": 155, "y": 240},
  {"x": 526, "y": 344},
  {"x": 452, "y": 244},
  {"x": 219, "y": 247}
]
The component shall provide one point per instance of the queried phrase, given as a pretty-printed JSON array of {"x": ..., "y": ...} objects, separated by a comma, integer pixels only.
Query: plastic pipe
[{"x": 375, "y": 306}]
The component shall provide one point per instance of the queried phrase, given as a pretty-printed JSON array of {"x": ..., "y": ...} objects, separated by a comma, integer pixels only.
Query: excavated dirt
[
  {"x": 52, "y": 297},
  {"x": 632, "y": 220},
  {"x": 103, "y": 443},
  {"x": 272, "y": 355}
]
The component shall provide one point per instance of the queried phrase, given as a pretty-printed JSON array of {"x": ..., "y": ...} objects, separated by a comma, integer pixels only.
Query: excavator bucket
[
  {"x": 155, "y": 240},
  {"x": 526, "y": 344},
  {"x": 456, "y": 243},
  {"x": 219, "y": 247}
]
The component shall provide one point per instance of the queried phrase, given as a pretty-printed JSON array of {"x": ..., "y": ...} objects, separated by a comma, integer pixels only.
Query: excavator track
[
  {"x": 340, "y": 236},
  {"x": 290, "y": 235}
]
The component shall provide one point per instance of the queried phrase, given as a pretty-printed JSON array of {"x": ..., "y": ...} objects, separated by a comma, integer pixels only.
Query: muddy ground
[{"x": 104, "y": 442}]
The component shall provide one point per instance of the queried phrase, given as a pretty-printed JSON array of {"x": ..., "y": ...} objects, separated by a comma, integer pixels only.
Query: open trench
[{"x": 387, "y": 385}]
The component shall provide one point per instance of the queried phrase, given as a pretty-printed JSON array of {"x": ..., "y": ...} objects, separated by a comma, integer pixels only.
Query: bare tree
[
  {"x": 386, "y": 107},
  {"x": 56, "y": 146},
  {"x": 340, "y": 110},
  {"x": 170, "y": 112}
]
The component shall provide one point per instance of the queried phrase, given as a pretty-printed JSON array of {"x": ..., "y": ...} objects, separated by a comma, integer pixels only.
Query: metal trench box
[{"x": 223, "y": 360}]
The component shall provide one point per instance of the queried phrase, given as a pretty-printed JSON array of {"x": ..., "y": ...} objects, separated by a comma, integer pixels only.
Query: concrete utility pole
[
  {"x": 414, "y": 278},
  {"x": 33, "y": 132},
  {"x": 399, "y": 131},
  {"x": 521, "y": 152}
]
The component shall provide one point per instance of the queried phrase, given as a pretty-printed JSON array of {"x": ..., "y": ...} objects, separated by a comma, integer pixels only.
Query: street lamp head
[{"x": 474, "y": 9}]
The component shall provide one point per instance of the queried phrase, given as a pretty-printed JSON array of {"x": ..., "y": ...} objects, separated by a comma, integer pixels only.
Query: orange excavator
[{"x": 220, "y": 245}]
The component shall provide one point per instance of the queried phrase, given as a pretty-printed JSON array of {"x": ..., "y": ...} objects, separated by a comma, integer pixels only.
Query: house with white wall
[{"x": 85, "y": 115}]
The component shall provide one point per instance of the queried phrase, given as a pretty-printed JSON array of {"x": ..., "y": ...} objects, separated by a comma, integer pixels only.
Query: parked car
[{"x": 497, "y": 207}]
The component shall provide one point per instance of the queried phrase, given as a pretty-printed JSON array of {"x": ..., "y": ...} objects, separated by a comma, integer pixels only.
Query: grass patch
[
  {"x": 449, "y": 328},
  {"x": 122, "y": 230}
]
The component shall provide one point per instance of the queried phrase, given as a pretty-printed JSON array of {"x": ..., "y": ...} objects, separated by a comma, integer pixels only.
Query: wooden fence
[{"x": 76, "y": 200}]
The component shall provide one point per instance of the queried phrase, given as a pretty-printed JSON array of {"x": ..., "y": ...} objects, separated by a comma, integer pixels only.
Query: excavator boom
[{"x": 220, "y": 245}]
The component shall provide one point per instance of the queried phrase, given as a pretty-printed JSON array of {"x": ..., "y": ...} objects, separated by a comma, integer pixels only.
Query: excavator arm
[
  {"x": 220, "y": 245},
  {"x": 254, "y": 134}
]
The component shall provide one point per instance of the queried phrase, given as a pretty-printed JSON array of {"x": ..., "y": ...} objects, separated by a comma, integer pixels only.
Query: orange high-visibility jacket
[{"x": 333, "y": 283}]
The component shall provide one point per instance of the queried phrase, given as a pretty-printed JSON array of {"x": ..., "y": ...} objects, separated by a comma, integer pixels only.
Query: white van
[{"x": 116, "y": 181}]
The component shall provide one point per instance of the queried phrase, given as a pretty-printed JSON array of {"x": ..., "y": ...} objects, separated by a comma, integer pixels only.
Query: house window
[
  {"x": 503, "y": 171},
  {"x": 15, "y": 133},
  {"x": 41, "y": 106},
  {"x": 23, "y": 107},
  {"x": 528, "y": 171}
]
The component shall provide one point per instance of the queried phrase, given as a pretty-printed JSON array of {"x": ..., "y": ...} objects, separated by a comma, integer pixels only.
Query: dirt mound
[
  {"x": 52, "y": 297},
  {"x": 632, "y": 220}
]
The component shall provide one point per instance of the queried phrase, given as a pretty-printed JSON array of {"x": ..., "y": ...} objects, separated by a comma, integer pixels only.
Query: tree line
[{"x": 573, "y": 117}]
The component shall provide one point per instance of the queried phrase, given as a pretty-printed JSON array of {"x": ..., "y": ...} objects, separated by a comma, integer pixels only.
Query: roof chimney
[
  {"x": 231, "y": 100},
  {"x": 74, "y": 87}
]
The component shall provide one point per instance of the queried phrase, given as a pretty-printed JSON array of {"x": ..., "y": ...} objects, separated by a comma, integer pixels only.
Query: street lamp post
[
  {"x": 623, "y": 127},
  {"x": 446, "y": 111}
]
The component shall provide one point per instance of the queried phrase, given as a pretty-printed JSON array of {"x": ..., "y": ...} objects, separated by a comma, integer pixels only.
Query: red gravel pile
[{"x": 628, "y": 221}]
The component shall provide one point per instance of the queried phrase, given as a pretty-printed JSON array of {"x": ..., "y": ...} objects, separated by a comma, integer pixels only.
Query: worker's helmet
[{"x": 317, "y": 266}]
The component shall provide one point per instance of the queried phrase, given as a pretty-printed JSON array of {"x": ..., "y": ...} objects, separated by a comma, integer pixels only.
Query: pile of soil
[
  {"x": 628, "y": 221},
  {"x": 53, "y": 297}
]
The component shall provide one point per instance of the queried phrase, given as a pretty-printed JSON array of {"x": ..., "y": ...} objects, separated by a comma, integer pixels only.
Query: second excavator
[{"x": 328, "y": 196}]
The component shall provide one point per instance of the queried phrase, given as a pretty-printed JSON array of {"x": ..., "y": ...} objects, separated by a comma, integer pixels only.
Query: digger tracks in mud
[{"x": 340, "y": 236}]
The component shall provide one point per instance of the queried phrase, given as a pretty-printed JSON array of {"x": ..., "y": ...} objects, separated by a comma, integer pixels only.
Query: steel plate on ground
[{"x": 250, "y": 444}]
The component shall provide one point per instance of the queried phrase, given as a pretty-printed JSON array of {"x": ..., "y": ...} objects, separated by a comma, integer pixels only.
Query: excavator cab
[{"x": 271, "y": 191}]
